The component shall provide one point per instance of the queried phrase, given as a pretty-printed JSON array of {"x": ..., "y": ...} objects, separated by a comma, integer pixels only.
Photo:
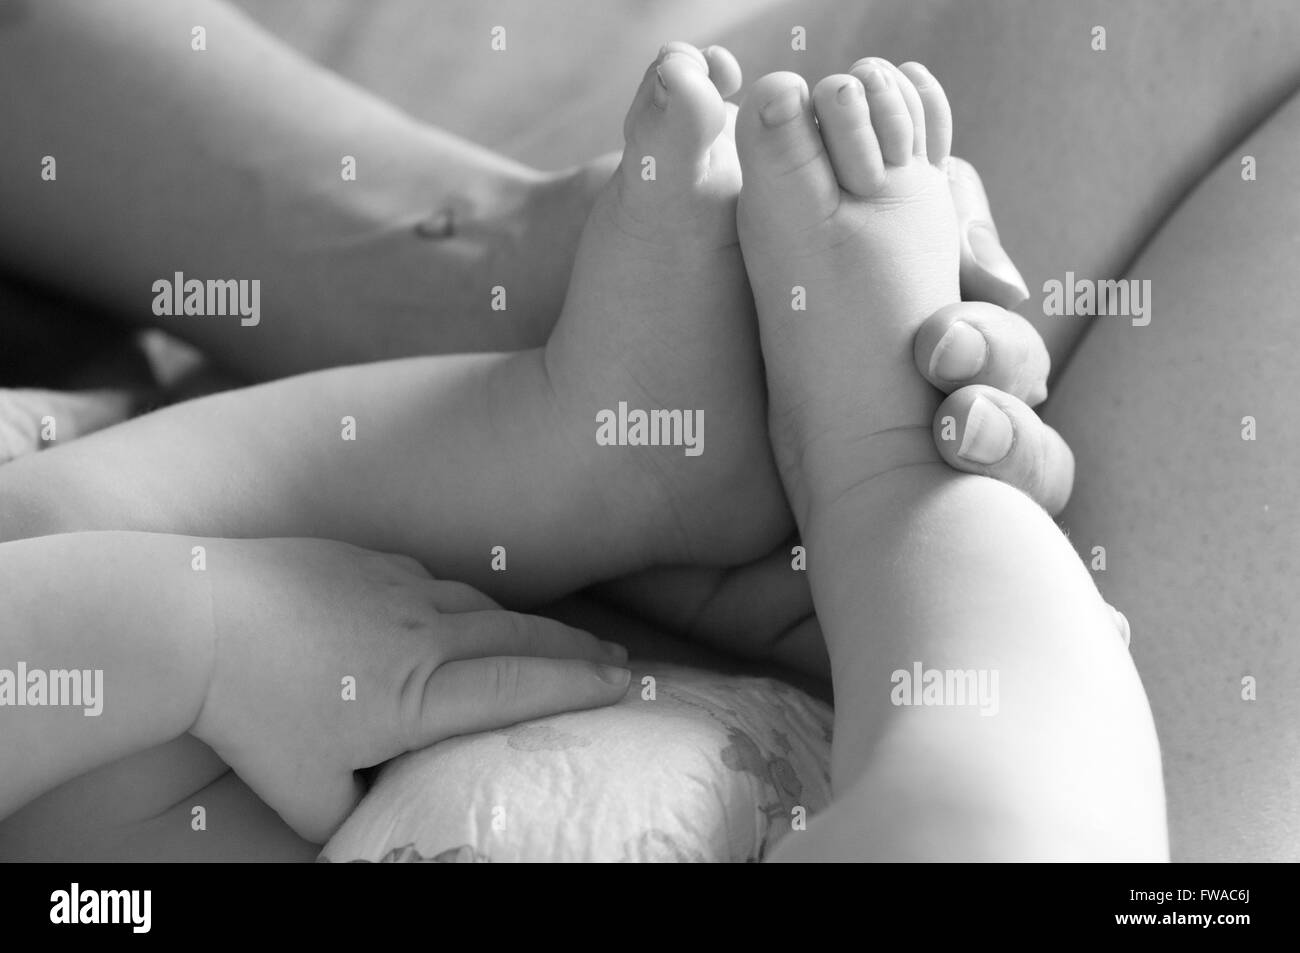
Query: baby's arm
[
  {"x": 920, "y": 566},
  {"x": 443, "y": 458},
  {"x": 298, "y": 661},
  {"x": 124, "y": 605}
]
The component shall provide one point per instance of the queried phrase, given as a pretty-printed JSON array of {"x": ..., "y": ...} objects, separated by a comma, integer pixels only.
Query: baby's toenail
[
  {"x": 783, "y": 107},
  {"x": 924, "y": 78},
  {"x": 849, "y": 92},
  {"x": 988, "y": 435},
  {"x": 695, "y": 62},
  {"x": 1121, "y": 623},
  {"x": 877, "y": 80},
  {"x": 661, "y": 89}
]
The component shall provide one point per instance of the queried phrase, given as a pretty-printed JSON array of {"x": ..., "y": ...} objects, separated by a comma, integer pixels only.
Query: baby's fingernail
[
  {"x": 614, "y": 650},
  {"x": 783, "y": 107},
  {"x": 990, "y": 256},
  {"x": 988, "y": 435},
  {"x": 613, "y": 675},
  {"x": 960, "y": 353}
]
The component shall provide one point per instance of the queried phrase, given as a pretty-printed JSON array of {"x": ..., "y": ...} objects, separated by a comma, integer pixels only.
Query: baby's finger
[
  {"x": 987, "y": 273},
  {"x": 982, "y": 430},
  {"x": 972, "y": 342},
  {"x": 450, "y": 596},
  {"x": 482, "y": 694},
  {"x": 408, "y": 564},
  {"x": 483, "y": 634}
]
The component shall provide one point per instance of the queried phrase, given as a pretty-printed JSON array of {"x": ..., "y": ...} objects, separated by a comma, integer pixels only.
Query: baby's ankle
[
  {"x": 626, "y": 514},
  {"x": 852, "y": 447}
]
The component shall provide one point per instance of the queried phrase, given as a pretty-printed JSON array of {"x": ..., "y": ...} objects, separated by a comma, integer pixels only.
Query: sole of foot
[
  {"x": 850, "y": 239},
  {"x": 654, "y": 361}
]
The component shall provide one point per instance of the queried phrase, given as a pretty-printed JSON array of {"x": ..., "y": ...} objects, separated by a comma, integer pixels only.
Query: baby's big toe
[
  {"x": 676, "y": 115},
  {"x": 786, "y": 170}
]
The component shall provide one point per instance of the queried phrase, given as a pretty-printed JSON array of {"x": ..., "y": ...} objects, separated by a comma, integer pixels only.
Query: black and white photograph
[{"x": 546, "y": 431}]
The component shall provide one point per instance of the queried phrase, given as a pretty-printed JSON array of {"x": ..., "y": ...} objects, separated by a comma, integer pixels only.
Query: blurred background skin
[{"x": 580, "y": 57}]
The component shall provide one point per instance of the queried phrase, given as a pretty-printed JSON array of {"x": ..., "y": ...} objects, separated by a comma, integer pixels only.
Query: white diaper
[{"x": 705, "y": 767}]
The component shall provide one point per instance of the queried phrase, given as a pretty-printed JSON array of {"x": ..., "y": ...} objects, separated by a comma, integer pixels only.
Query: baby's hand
[{"x": 329, "y": 659}]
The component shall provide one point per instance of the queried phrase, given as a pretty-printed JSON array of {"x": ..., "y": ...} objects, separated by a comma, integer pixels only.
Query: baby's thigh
[{"x": 1188, "y": 451}]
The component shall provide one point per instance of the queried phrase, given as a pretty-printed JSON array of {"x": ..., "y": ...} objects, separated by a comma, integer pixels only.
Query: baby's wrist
[{"x": 120, "y": 619}]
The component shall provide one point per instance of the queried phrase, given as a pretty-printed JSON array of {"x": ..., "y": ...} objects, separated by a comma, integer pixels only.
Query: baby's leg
[
  {"x": 441, "y": 458},
  {"x": 1036, "y": 741},
  {"x": 1199, "y": 525}
]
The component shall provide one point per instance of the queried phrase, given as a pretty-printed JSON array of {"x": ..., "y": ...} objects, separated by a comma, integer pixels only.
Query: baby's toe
[
  {"x": 781, "y": 154},
  {"x": 718, "y": 62},
  {"x": 911, "y": 97},
  {"x": 675, "y": 116},
  {"x": 890, "y": 115},
  {"x": 938, "y": 114},
  {"x": 845, "y": 123},
  {"x": 686, "y": 49},
  {"x": 723, "y": 70}
]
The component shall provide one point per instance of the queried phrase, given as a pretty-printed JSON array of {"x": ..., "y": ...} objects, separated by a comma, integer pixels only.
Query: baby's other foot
[
  {"x": 654, "y": 361},
  {"x": 849, "y": 235}
]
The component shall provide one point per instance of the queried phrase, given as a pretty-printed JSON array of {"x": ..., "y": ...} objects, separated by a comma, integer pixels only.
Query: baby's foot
[
  {"x": 659, "y": 318},
  {"x": 849, "y": 236}
]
